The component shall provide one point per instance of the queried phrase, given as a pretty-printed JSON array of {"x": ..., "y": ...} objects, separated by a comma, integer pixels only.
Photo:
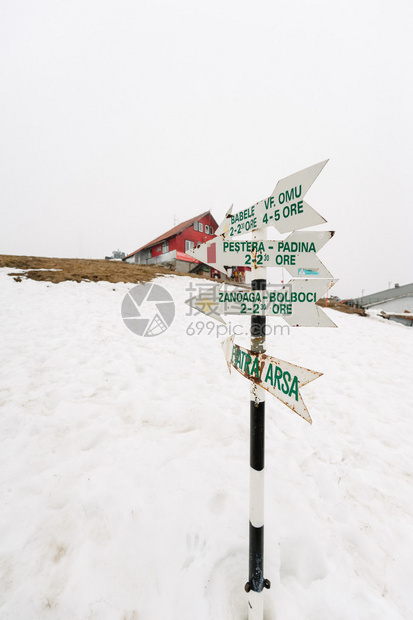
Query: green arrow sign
[
  {"x": 285, "y": 209},
  {"x": 297, "y": 253},
  {"x": 295, "y": 302},
  {"x": 281, "y": 379}
]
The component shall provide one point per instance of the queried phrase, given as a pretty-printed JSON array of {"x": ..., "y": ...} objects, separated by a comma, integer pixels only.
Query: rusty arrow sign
[{"x": 281, "y": 379}]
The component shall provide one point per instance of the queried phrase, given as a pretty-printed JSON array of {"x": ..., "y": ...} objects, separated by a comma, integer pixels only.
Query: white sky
[{"x": 117, "y": 115}]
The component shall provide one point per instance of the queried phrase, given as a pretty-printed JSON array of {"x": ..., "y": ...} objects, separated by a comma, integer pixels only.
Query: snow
[
  {"x": 124, "y": 465},
  {"x": 34, "y": 269}
]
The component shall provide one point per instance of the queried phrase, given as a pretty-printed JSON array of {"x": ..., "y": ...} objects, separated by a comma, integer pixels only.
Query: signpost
[
  {"x": 295, "y": 302},
  {"x": 297, "y": 253},
  {"x": 285, "y": 209},
  {"x": 256, "y": 581},
  {"x": 281, "y": 379}
]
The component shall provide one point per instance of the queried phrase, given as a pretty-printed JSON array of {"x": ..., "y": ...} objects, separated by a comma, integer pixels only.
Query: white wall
[{"x": 395, "y": 305}]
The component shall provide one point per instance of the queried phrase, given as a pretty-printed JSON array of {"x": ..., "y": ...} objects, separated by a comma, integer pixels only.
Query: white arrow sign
[
  {"x": 295, "y": 302},
  {"x": 285, "y": 208},
  {"x": 280, "y": 378},
  {"x": 297, "y": 253}
]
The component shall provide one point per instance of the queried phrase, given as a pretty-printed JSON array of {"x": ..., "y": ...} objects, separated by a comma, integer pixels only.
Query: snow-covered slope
[{"x": 124, "y": 466}]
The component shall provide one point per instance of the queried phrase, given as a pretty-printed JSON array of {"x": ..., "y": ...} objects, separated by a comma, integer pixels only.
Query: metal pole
[{"x": 256, "y": 582}]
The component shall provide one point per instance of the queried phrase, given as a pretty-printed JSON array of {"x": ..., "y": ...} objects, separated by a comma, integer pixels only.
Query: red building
[{"x": 170, "y": 248}]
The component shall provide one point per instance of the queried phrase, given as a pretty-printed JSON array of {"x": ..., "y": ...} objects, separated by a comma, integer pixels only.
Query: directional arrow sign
[
  {"x": 285, "y": 209},
  {"x": 297, "y": 253},
  {"x": 295, "y": 302},
  {"x": 280, "y": 378}
]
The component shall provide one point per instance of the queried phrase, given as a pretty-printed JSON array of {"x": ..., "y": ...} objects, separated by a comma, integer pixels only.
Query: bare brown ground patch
[
  {"x": 77, "y": 269},
  {"x": 341, "y": 307}
]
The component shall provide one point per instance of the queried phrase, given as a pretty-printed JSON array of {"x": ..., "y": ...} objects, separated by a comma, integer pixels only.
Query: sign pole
[
  {"x": 287, "y": 211},
  {"x": 256, "y": 582}
]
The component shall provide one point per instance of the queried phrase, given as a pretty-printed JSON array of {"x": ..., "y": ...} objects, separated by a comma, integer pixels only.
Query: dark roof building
[
  {"x": 396, "y": 297},
  {"x": 394, "y": 303}
]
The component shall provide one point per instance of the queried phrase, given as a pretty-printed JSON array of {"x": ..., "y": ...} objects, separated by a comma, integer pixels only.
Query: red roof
[
  {"x": 173, "y": 232},
  {"x": 186, "y": 257}
]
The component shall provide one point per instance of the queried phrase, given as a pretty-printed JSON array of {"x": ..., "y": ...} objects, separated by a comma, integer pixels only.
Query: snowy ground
[{"x": 124, "y": 466}]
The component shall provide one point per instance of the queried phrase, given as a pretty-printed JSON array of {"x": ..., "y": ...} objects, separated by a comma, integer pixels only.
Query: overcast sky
[{"x": 120, "y": 118}]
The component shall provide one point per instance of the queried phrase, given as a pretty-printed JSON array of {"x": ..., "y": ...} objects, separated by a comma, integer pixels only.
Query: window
[
  {"x": 195, "y": 225},
  {"x": 209, "y": 230},
  {"x": 165, "y": 247},
  {"x": 200, "y": 227},
  {"x": 189, "y": 245}
]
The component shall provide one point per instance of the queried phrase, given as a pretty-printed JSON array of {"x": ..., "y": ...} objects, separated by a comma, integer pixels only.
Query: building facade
[
  {"x": 397, "y": 299},
  {"x": 169, "y": 249},
  {"x": 395, "y": 303}
]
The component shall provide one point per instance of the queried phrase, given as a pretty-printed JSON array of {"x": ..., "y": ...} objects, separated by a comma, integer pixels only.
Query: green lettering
[
  {"x": 294, "y": 388},
  {"x": 285, "y": 387},
  {"x": 255, "y": 370},
  {"x": 289, "y": 195},
  {"x": 278, "y": 375}
]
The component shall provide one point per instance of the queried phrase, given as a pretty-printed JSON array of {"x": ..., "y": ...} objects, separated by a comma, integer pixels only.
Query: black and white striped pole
[{"x": 256, "y": 582}]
